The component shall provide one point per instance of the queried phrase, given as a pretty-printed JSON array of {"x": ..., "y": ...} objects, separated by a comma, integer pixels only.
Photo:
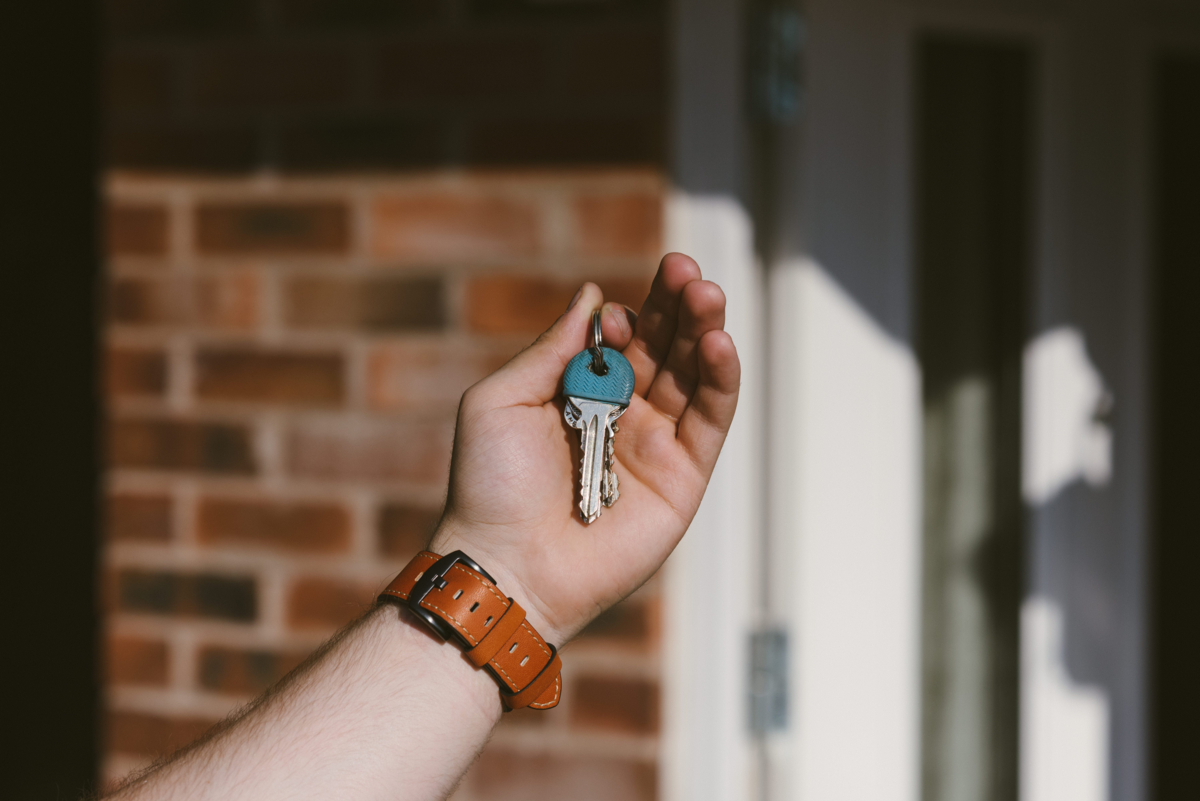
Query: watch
[{"x": 458, "y": 601}]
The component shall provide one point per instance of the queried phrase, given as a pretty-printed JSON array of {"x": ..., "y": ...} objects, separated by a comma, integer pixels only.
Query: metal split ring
[{"x": 598, "y": 365}]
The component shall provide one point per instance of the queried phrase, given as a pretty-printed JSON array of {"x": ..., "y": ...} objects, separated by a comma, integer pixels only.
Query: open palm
[{"x": 514, "y": 480}]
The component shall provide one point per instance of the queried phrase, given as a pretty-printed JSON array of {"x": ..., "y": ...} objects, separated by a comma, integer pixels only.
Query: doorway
[{"x": 973, "y": 211}]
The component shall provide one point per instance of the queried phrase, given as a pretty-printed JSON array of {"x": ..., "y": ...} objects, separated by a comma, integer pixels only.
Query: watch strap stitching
[{"x": 501, "y": 633}]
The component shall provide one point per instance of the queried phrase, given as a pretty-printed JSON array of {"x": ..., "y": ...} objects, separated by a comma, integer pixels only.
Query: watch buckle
[{"x": 433, "y": 578}]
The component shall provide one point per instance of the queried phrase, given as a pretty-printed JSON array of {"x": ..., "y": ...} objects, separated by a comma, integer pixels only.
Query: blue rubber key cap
[{"x": 598, "y": 384}]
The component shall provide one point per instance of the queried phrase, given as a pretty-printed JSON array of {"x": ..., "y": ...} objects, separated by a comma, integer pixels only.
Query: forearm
[{"x": 386, "y": 711}]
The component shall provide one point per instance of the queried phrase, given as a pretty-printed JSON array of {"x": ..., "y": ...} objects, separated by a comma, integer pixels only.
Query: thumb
[{"x": 532, "y": 376}]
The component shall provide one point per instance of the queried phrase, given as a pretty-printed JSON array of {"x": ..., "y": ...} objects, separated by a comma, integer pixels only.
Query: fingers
[
  {"x": 656, "y": 323},
  {"x": 617, "y": 323},
  {"x": 533, "y": 375},
  {"x": 705, "y": 421},
  {"x": 701, "y": 310}
]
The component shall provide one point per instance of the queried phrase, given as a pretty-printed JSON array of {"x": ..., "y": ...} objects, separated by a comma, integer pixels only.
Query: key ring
[{"x": 598, "y": 365}]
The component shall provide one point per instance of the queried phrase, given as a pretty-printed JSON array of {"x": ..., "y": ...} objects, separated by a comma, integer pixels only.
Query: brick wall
[
  {"x": 284, "y": 361},
  {"x": 304, "y": 85}
]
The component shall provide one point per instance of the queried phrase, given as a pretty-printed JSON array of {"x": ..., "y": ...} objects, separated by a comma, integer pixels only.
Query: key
[
  {"x": 598, "y": 384},
  {"x": 609, "y": 491},
  {"x": 594, "y": 419}
]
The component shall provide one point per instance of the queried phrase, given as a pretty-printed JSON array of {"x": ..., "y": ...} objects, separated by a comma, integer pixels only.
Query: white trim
[
  {"x": 852, "y": 538},
  {"x": 707, "y": 753}
]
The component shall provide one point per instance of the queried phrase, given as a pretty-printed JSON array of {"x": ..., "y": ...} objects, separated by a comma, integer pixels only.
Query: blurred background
[{"x": 256, "y": 250}]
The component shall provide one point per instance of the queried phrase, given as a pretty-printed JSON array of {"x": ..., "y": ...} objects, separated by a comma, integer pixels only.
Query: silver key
[
  {"x": 609, "y": 488},
  {"x": 598, "y": 385},
  {"x": 598, "y": 484}
]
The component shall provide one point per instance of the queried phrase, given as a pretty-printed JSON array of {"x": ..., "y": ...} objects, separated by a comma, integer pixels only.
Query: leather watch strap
[{"x": 458, "y": 599}]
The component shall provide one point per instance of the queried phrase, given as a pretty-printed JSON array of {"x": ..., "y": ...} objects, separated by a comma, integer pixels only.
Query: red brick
[
  {"x": 144, "y": 518},
  {"x": 137, "y": 230},
  {"x": 239, "y": 672},
  {"x": 303, "y": 527},
  {"x": 182, "y": 594},
  {"x": 620, "y": 224},
  {"x": 147, "y": 301},
  {"x": 525, "y": 304},
  {"x": 446, "y": 226},
  {"x": 152, "y": 735},
  {"x": 379, "y": 304},
  {"x": 500, "y": 775},
  {"x": 318, "y": 227},
  {"x": 413, "y": 451},
  {"x": 265, "y": 77},
  {"x": 405, "y": 530},
  {"x": 470, "y": 67},
  {"x": 180, "y": 445},
  {"x": 528, "y": 717},
  {"x": 134, "y": 660},
  {"x": 322, "y": 604},
  {"x": 226, "y": 301},
  {"x": 136, "y": 372},
  {"x": 629, "y": 623},
  {"x": 412, "y": 374},
  {"x": 293, "y": 378},
  {"x": 616, "y": 704}
]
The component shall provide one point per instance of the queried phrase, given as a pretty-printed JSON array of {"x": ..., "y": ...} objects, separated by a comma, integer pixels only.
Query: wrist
[
  {"x": 412, "y": 640},
  {"x": 502, "y": 563}
]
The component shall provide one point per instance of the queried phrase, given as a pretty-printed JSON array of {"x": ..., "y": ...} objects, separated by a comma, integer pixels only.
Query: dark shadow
[
  {"x": 1176, "y": 544},
  {"x": 312, "y": 86},
  {"x": 48, "y": 247}
]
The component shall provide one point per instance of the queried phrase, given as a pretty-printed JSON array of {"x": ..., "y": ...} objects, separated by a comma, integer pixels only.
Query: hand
[{"x": 514, "y": 494}]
